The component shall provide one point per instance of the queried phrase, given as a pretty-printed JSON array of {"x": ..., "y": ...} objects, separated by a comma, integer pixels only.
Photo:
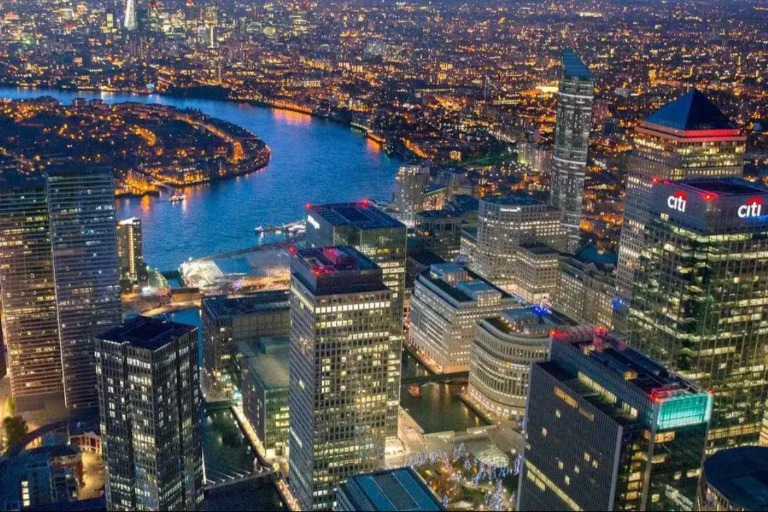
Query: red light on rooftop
[
  {"x": 711, "y": 392},
  {"x": 309, "y": 206},
  {"x": 365, "y": 203},
  {"x": 709, "y": 196},
  {"x": 292, "y": 249}
]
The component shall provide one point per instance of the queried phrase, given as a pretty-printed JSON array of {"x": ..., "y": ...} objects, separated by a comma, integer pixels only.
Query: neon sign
[
  {"x": 753, "y": 208},
  {"x": 678, "y": 200}
]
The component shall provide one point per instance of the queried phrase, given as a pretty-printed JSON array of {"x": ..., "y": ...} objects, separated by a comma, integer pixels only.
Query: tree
[{"x": 15, "y": 428}]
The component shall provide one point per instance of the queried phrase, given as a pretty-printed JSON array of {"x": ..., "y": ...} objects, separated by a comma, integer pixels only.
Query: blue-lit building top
[
  {"x": 391, "y": 490},
  {"x": 610, "y": 429}
]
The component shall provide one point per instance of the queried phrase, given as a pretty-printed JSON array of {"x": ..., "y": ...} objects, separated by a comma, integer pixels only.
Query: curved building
[
  {"x": 735, "y": 479},
  {"x": 502, "y": 353}
]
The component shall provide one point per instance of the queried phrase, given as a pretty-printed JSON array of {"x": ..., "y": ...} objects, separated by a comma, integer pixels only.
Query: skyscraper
[
  {"x": 575, "y": 96},
  {"x": 130, "y": 249},
  {"x": 504, "y": 223},
  {"x": 382, "y": 239},
  {"x": 81, "y": 206},
  {"x": 410, "y": 182},
  {"x": 688, "y": 138},
  {"x": 130, "y": 15},
  {"x": 610, "y": 429},
  {"x": 150, "y": 408},
  {"x": 30, "y": 324},
  {"x": 340, "y": 343},
  {"x": 701, "y": 286}
]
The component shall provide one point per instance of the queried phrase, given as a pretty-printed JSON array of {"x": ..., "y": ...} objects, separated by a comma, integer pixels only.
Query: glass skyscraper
[
  {"x": 575, "y": 96},
  {"x": 607, "y": 428},
  {"x": 30, "y": 324},
  {"x": 340, "y": 347},
  {"x": 382, "y": 239},
  {"x": 688, "y": 138},
  {"x": 150, "y": 410},
  {"x": 81, "y": 206},
  {"x": 700, "y": 297}
]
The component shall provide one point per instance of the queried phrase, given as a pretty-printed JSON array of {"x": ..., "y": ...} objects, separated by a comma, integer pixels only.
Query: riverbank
[{"x": 200, "y": 93}]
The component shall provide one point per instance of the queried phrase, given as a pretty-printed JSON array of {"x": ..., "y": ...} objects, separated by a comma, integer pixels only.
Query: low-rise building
[{"x": 389, "y": 490}]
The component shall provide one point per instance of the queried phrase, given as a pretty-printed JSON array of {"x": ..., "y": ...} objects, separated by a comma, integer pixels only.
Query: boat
[{"x": 177, "y": 198}]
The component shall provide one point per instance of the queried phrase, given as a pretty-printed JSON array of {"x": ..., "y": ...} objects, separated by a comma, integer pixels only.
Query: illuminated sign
[
  {"x": 678, "y": 200},
  {"x": 312, "y": 221},
  {"x": 753, "y": 208}
]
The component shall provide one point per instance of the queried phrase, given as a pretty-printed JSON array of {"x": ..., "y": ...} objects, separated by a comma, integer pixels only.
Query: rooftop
[
  {"x": 362, "y": 215},
  {"x": 459, "y": 283},
  {"x": 691, "y": 111},
  {"x": 740, "y": 475},
  {"x": 147, "y": 333},
  {"x": 222, "y": 306},
  {"x": 574, "y": 67},
  {"x": 724, "y": 186},
  {"x": 537, "y": 321},
  {"x": 267, "y": 359},
  {"x": 519, "y": 199},
  {"x": 331, "y": 260},
  {"x": 589, "y": 253},
  {"x": 396, "y": 490}
]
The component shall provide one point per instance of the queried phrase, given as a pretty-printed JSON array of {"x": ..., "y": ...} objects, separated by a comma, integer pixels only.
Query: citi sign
[
  {"x": 753, "y": 208},
  {"x": 678, "y": 200}
]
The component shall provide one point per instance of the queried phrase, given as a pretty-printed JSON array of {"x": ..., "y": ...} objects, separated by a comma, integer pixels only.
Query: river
[{"x": 313, "y": 161}]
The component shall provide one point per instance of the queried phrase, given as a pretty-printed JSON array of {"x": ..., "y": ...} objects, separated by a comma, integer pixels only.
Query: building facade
[
  {"x": 229, "y": 320},
  {"x": 688, "y": 138},
  {"x": 585, "y": 288},
  {"x": 341, "y": 321},
  {"x": 130, "y": 250},
  {"x": 383, "y": 240},
  {"x": 447, "y": 302},
  {"x": 609, "y": 429},
  {"x": 150, "y": 408},
  {"x": 410, "y": 183},
  {"x": 30, "y": 321},
  {"x": 503, "y": 224},
  {"x": 701, "y": 290},
  {"x": 575, "y": 97},
  {"x": 81, "y": 205},
  {"x": 501, "y": 357}
]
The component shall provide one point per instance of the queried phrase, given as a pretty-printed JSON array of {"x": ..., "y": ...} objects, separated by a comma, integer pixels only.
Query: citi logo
[
  {"x": 753, "y": 208},
  {"x": 678, "y": 200}
]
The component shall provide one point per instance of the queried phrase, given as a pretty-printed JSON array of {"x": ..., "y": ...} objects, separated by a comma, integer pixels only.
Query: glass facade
[
  {"x": 150, "y": 412},
  {"x": 609, "y": 429},
  {"x": 81, "y": 204},
  {"x": 700, "y": 299},
  {"x": 575, "y": 97},
  {"x": 30, "y": 324}
]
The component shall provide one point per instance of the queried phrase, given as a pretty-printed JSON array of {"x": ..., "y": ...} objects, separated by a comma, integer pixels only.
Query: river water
[{"x": 313, "y": 161}]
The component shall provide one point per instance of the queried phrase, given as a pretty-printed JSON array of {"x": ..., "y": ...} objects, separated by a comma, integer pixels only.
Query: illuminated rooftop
[
  {"x": 691, "y": 111},
  {"x": 147, "y": 333}
]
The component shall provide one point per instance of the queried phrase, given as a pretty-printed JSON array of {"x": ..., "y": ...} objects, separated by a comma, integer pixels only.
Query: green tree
[{"x": 14, "y": 427}]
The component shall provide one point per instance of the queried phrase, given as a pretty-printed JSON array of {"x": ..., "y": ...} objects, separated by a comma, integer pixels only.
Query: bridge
[
  {"x": 223, "y": 485},
  {"x": 439, "y": 378},
  {"x": 219, "y": 405}
]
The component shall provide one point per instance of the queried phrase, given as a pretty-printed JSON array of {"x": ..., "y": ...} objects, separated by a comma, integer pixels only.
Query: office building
[
  {"x": 264, "y": 381},
  {"x": 447, "y": 301},
  {"x": 535, "y": 275},
  {"x": 607, "y": 428},
  {"x": 42, "y": 478},
  {"x": 81, "y": 206},
  {"x": 341, "y": 321},
  {"x": 390, "y": 490},
  {"x": 585, "y": 287},
  {"x": 150, "y": 409},
  {"x": 130, "y": 250},
  {"x": 503, "y": 224},
  {"x": 30, "y": 322},
  {"x": 501, "y": 357},
  {"x": 130, "y": 15},
  {"x": 383, "y": 240},
  {"x": 576, "y": 94},
  {"x": 688, "y": 138},
  {"x": 734, "y": 480},
  {"x": 410, "y": 183},
  {"x": 439, "y": 231},
  {"x": 701, "y": 287},
  {"x": 229, "y": 320}
]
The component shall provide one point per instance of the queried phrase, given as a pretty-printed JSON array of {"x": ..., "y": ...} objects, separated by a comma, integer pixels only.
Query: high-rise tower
[
  {"x": 340, "y": 346},
  {"x": 700, "y": 295},
  {"x": 130, "y": 15},
  {"x": 81, "y": 206},
  {"x": 688, "y": 138},
  {"x": 569, "y": 162}
]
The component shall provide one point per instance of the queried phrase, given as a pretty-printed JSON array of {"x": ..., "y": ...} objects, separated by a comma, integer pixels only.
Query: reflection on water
[
  {"x": 439, "y": 409},
  {"x": 313, "y": 161}
]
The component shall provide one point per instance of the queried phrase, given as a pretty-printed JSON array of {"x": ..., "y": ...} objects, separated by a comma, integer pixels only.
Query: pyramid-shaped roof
[
  {"x": 574, "y": 67},
  {"x": 691, "y": 111}
]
